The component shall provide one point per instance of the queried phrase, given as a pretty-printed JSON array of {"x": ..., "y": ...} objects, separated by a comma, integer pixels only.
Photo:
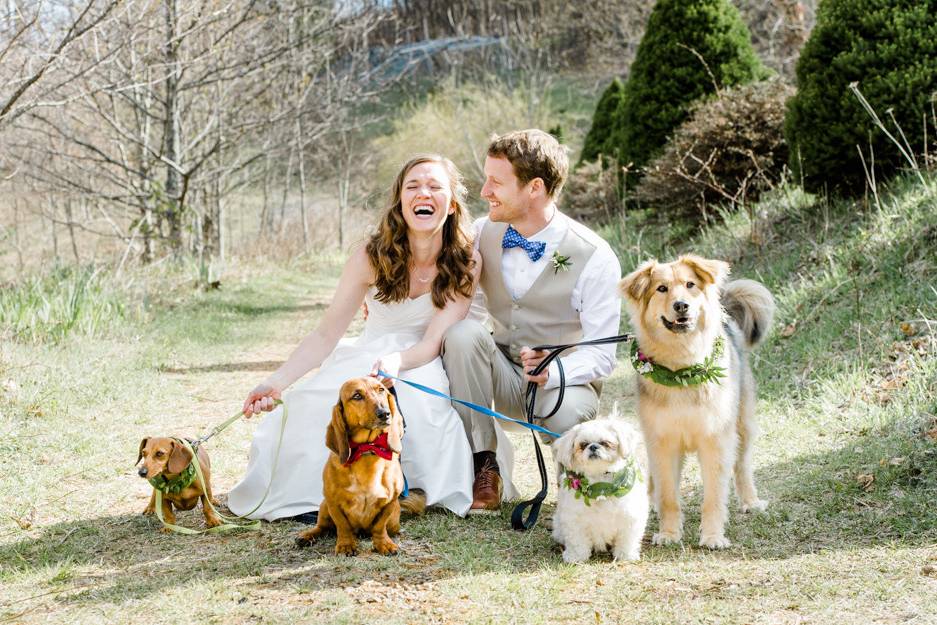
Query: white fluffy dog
[{"x": 602, "y": 502}]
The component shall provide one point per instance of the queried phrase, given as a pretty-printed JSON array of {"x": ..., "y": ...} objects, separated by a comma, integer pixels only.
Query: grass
[{"x": 848, "y": 456}]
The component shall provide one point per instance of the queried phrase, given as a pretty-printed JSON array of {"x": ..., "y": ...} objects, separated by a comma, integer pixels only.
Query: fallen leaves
[
  {"x": 789, "y": 330},
  {"x": 914, "y": 327},
  {"x": 866, "y": 481}
]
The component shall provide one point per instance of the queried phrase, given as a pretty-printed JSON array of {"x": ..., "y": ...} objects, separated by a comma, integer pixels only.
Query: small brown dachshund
[
  {"x": 362, "y": 478},
  {"x": 168, "y": 465}
]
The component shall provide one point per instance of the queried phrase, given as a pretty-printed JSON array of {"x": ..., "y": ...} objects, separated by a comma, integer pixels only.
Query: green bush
[
  {"x": 890, "y": 48},
  {"x": 600, "y": 141},
  {"x": 729, "y": 150},
  {"x": 690, "y": 49}
]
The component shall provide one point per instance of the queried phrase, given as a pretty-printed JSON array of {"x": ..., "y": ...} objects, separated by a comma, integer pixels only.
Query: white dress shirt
[{"x": 595, "y": 297}]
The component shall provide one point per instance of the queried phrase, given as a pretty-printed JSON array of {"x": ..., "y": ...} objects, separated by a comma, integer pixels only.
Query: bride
[{"x": 417, "y": 276}]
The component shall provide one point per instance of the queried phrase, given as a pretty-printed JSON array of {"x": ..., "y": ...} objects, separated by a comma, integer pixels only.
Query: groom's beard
[{"x": 505, "y": 212}]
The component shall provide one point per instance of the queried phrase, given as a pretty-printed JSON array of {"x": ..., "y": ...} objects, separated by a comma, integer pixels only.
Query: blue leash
[
  {"x": 468, "y": 404},
  {"x": 406, "y": 484}
]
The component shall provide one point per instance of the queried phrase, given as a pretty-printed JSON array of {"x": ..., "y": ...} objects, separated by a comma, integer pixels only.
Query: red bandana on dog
[{"x": 378, "y": 447}]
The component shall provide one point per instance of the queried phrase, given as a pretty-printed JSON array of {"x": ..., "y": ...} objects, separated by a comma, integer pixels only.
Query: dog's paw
[
  {"x": 346, "y": 549},
  {"x": 666, "y": 538},
  {"x": 148, "y": 511},
  {"x": 385, "y": 547},
  {"x": 714, "y": 541},
  {"x": 629, "y": 555},
  {"x": 756, "y": 505},
  {"x": 575, "y": 556},
  {"x": 213, "y": 522},
  {"x": 306, "y": 538}
]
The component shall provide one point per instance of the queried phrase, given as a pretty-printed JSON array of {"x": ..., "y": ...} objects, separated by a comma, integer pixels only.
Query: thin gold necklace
[{"x": 422, "y": 280}]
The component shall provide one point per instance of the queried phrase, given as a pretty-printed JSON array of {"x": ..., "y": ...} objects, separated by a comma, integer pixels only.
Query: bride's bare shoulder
[{"x": 358, "y": 266}]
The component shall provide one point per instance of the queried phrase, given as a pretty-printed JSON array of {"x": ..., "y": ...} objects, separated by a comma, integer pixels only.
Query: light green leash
[{"x": 230, "y": 522}]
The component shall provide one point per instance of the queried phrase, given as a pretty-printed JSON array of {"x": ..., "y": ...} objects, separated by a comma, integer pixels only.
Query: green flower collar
[
  {"x": 177, "y": 484},
  {"x": 701, "y": 373},
  {"x": 621, "y": 484}
]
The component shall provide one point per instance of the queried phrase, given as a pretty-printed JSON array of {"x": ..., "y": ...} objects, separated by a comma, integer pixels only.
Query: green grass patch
[{"x": 68, "y": 300}]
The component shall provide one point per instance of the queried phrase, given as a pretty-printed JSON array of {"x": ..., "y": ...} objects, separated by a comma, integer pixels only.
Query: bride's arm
[
  {"x": 427, "y": 348},
  {"x": 318, "y": 344}
]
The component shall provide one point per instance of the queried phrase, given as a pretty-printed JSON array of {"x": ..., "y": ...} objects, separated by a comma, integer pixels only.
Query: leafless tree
[
  {"x": 36, "y": 37},
  {"x": 199, "y": 101}
]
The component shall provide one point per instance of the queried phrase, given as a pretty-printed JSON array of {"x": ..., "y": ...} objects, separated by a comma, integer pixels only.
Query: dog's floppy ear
[
  {"x": 336, "y": 435},
  {"x": 563, "y": 449},
  {"x": 635, "y": 284},
  {"x": 709, "y": 271},
  {"x": 395, "y": 431},
  {"x": 142, "y": 447},
  {"x": 180, "y": 458},
  {"x": 627, "y": 438}
]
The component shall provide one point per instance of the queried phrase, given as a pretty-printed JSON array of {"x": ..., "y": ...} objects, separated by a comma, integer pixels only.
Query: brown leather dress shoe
[{"x": 486, "y": 491}]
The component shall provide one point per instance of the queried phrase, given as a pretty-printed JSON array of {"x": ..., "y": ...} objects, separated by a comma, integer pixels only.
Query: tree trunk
[
  {"x": 71, "y": 230},
  {"x": 286, "y": 191},
  {"x": 302, "y": 182},
  {"x": 344, "y": 183},
  {"x": 265, "y": 213},
  {"x": 55, "y": 238},
  {"x": 171, "y": 135}
]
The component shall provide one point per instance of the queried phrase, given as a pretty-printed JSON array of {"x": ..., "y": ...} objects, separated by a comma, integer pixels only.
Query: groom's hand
[{"x": 530, "y": 358}]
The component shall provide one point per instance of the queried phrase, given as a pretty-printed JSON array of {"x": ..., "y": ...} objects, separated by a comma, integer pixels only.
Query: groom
[{"x": 547, "y": 279}]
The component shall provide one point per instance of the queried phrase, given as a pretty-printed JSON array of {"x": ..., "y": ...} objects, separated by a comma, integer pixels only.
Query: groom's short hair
[{"x": 533, "y": 154}]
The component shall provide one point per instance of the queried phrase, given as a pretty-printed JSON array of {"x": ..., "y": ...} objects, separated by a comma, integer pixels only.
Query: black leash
[{"x": 518, "y": 521}]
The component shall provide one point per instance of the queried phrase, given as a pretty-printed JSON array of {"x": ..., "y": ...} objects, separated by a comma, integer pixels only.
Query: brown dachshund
[
  {"x": 167, "y": 464},
  {"x": 362, "y": 478}
]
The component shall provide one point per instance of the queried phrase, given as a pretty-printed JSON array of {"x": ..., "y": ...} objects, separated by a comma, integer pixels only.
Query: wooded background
[{"x": 138, "y": 130}]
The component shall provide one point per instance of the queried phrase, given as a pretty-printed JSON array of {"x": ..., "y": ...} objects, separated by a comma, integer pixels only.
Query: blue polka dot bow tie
[{"x": 534, "y": 249}]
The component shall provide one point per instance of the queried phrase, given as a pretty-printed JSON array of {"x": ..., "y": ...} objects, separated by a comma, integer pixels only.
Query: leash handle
[{"x": 518, "y": 521}]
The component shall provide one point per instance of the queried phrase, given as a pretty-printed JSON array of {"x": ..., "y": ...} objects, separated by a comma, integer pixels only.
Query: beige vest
[{"x": 544, "y": 315}]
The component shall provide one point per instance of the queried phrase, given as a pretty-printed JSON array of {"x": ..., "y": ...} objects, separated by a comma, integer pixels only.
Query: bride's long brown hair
[{"x": 389, "y": 248}]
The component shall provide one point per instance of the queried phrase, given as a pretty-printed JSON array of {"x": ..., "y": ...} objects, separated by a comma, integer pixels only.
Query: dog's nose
[
  {"x": 681, "y": 307},
  {"x": 593, "y": 448},
  {"x": 142, "y": 472},
  {"x": 382, "y": 413}
]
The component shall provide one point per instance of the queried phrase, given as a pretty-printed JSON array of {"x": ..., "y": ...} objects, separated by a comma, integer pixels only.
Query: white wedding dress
[{"x": 436, "y": 454}]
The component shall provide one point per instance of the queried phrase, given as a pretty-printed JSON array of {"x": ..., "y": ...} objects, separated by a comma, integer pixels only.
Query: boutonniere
[{"x": 560, "y": 262}]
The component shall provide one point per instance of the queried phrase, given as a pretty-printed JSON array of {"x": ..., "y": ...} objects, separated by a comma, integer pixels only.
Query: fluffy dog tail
[
  {"x": 752, "y": 307},
  {"x": 414, "y": 503}
]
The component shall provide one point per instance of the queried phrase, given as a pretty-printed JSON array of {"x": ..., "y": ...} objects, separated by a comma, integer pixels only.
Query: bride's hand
[
  {"x": 262, "y": 399},
  {"x": 389, "y": 364}
]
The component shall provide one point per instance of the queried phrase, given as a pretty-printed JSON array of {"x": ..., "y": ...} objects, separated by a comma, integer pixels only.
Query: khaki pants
[{"x": 480, "y": 373}]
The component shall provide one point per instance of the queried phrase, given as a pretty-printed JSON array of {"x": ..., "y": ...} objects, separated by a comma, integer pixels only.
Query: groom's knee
[
  {"x": 580, "y": 404},
  {"x": 464, "y": 337}
]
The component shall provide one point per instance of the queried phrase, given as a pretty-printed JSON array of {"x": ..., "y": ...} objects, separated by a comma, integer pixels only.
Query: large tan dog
[
  {"x": 362, "y": 478},
  {"x": 683, "y": 314}
]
